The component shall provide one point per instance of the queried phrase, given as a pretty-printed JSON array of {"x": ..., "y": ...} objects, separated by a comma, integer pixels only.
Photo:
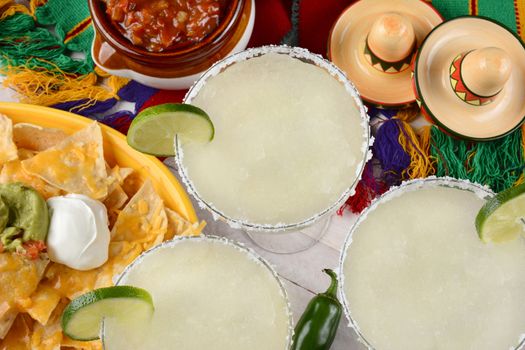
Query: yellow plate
[{"x": 116, "y": 151}]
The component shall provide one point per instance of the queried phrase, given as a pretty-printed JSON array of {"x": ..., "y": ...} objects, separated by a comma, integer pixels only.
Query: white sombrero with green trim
[{"x": 469, "y": 78}]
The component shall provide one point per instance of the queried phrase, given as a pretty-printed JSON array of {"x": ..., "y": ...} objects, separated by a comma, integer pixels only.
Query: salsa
[{"x": 157, "y": 25}]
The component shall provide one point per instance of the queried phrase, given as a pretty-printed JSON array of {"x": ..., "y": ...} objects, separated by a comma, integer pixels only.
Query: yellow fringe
[
  {"x": 408, "y": 114},
  {"x": 101, "y": 73},
  {"x": 520, "y": 180},
  {"x": 469, "y": 158},
  {"x": 47, "y": 88},
  {"x": 424, "y": 138},
  {"x": 421, "y": 164},
  {"x": 33, "y": 4},
  {"x": 115, "y": 83},
  {"x": 9, "y": 8}
]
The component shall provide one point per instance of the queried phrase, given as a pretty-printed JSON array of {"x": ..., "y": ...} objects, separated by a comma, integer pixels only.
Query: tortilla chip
[
  {"x": 13, "y": 172},
  {"x": 36, "y": 138},
  {"x": 24, "y": 153},
  {"x": 49, "y": 337},
  {"x": 132, "y": 184},
  {"x": 121, "y": 254},
  {"x": 44, "y": 300},
  {"x": 104, "y": 277},
  {"x": 75, "y": 165},
  {"x": 8, "y": 149},
  {"x": 68, "y": 282},
  {"x": 178, "y": 226},
  {"x": 118, "y": 175},
  {"x": 116, "y": 199},
  {"x": 143, "y": 219},
  {"x": 19, "y": 336},
  {"x": 8, "y": 315},
  {"x": 127, "y": 253},
  {"x": 19, "y": 277},
  {"x": 114, "y": 202}
]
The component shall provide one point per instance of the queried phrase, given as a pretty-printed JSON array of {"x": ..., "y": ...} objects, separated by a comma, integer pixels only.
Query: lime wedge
[
  {"x": 502, "y": 218},
  {"x": 83, "y": 316},
  {"x": 153, "y": 130}
]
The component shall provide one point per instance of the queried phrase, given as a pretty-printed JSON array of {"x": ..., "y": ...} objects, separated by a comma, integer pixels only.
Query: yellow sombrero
[
  {"x": 374, "y": 41},
  {"x": 470, "y": 78}
]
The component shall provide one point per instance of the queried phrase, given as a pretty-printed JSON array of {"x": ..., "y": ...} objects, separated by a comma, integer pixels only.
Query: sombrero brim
[
  {"x": 347, "y": 40},
  {"x": 432, "y": 81}
]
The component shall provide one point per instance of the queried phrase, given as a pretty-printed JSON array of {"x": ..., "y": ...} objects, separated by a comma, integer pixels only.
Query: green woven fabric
[
  {"x": 452, "y": 8},
  {"x": 25, "y": 42},
  {"x": 503, "y": 11},
  {"x": 52, "y": 13},
  {"x": 497, "y": 164}
]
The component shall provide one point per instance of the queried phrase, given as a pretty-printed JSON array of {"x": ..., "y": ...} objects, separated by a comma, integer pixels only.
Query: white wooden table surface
[{"x": 301, "y": 272}]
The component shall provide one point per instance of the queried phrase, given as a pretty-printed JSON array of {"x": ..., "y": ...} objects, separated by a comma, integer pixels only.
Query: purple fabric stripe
[
  {"x": 374, "y": 112},
  {"x": 136, "y": 92},
  {"x": 119, "y": 120},
  {"x": 77, "y": 106}
]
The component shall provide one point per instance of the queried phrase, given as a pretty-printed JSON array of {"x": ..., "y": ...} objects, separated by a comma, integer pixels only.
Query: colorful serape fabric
[{"x": 39, "y": 67}]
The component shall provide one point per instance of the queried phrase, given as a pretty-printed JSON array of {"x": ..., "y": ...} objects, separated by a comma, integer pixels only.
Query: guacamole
[{"x": 24, "y": 216}]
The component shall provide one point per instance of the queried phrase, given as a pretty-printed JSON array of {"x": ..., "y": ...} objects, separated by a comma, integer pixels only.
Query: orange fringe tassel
[
  {"x": 47, "y": 88},
  {"x": 9, "y": 8}
]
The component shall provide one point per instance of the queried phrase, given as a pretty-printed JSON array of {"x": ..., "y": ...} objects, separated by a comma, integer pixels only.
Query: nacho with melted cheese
[
  {"x": 75, "y": 165},
  {"x": 143, "y": 219},
  {"x": 33, "y": 290},
  {"x": 19, "y": 337},
  {"x": 36, "y": 138},
  {"x": 177, "y": 226},
  {"x": 13, "y": 172},
  {"x": 19, "y": 278}
]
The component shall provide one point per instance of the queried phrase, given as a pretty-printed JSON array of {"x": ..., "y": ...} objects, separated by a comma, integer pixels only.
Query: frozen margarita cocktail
[
  {"x": 291, "y": 139},
  {"x": 416, "y": 276},
  {"x": 207, "y": 293}
]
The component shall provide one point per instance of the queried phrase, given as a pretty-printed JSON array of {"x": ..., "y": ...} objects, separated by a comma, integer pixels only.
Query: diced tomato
[
  {"x": 157, "y": 25},
  {"x": 33, "y": 249}
]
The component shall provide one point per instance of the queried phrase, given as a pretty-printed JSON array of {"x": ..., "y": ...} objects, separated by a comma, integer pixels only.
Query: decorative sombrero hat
[
  {"x": 469, "y": 77},
  {"x": 374, "y": 41}
]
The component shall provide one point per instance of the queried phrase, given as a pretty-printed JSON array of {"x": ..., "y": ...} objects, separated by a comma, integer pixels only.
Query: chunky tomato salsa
[{"x": 158, "y": 25}]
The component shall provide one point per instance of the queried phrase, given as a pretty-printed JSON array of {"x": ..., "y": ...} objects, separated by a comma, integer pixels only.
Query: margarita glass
[
  {"x": 415, "y": 275},
  {"x": 208, "y": 293},
  {"x": 291, "y": 140}
]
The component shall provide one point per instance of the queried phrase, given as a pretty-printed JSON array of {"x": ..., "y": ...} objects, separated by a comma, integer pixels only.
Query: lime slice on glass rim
[
  {"x": 154, "y": 129},
  {"x": 82, "y": 318},
  {"x": 502, "y": 218}
]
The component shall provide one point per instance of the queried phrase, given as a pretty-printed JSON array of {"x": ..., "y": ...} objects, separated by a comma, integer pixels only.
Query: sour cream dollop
[{"x": 78, "y": 235}]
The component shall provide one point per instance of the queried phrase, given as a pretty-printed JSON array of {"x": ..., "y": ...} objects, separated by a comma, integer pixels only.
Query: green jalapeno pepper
[{"x": 318, "y": 325}]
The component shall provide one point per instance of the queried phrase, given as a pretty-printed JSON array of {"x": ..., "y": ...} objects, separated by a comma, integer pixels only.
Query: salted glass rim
[
  {"x": 480, "y": 190},
  {"x": 305, "y": 56},
  {"x": 227, "y": 242}
]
